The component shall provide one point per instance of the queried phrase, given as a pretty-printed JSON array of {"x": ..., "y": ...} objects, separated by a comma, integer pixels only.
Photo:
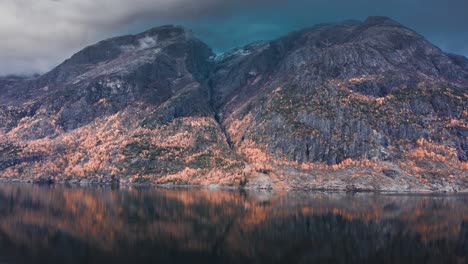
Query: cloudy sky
[{"x": 36, "y": 35}]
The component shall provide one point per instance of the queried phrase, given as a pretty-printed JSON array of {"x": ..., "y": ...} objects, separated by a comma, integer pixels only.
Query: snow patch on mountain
[
  {"x": 241, "y": 52},
  {"x": 146, "y": 42}
]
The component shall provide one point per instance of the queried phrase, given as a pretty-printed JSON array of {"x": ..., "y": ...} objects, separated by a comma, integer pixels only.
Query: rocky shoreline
[{"x": 324, "y": 188}]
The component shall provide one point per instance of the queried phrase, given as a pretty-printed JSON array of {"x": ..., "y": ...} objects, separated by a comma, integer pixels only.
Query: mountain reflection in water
[{"x": 58, "y": 224}]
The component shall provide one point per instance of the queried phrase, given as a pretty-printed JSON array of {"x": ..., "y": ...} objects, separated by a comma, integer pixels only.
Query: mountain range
[{"x": 357, "y": 105}]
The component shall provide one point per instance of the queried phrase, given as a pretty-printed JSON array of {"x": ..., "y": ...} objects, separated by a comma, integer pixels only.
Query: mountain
[{"x": 368, "y": 105}]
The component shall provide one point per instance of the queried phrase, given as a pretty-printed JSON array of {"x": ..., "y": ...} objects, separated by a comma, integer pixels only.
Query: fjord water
[{"x": 59, "y": 224}]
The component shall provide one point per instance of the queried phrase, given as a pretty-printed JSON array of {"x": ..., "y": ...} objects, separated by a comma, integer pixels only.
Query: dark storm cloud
[{"x": 38, "y": 34}]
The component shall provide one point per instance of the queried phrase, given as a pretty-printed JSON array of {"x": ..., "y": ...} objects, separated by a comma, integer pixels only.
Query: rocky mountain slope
[{"x": 355, "y": 105}]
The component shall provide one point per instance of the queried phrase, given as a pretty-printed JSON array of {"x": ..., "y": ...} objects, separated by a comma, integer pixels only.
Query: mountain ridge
[{"x": 355, "y": 105}]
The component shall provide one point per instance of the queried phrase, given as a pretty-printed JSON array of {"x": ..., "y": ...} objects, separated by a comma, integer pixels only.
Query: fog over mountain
[{"x": 37, "y": 35}]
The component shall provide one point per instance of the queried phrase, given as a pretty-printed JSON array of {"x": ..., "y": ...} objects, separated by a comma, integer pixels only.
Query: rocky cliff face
[
  {"x": 354, "y": 105},
  {"x": 132, "y": 108}
]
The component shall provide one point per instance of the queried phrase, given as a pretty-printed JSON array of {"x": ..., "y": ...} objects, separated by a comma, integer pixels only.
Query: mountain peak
[
  {"x": 142, "y": 47},
  {"x": 376, "y": 20},
  {"x": 167, "y": 31},
  {"x": 370, "y": 105}
]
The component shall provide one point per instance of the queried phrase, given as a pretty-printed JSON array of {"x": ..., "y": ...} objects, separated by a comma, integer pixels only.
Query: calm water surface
[{"x": 58, "y": 224}]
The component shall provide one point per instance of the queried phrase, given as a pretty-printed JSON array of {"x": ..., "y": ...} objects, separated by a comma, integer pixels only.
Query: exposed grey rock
[
  {"x": 386, "y": 58},
  {"x": 363, "y": 91}
]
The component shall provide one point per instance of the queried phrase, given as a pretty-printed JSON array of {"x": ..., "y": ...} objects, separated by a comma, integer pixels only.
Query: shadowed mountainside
[{"x": 366, "y": 105}]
